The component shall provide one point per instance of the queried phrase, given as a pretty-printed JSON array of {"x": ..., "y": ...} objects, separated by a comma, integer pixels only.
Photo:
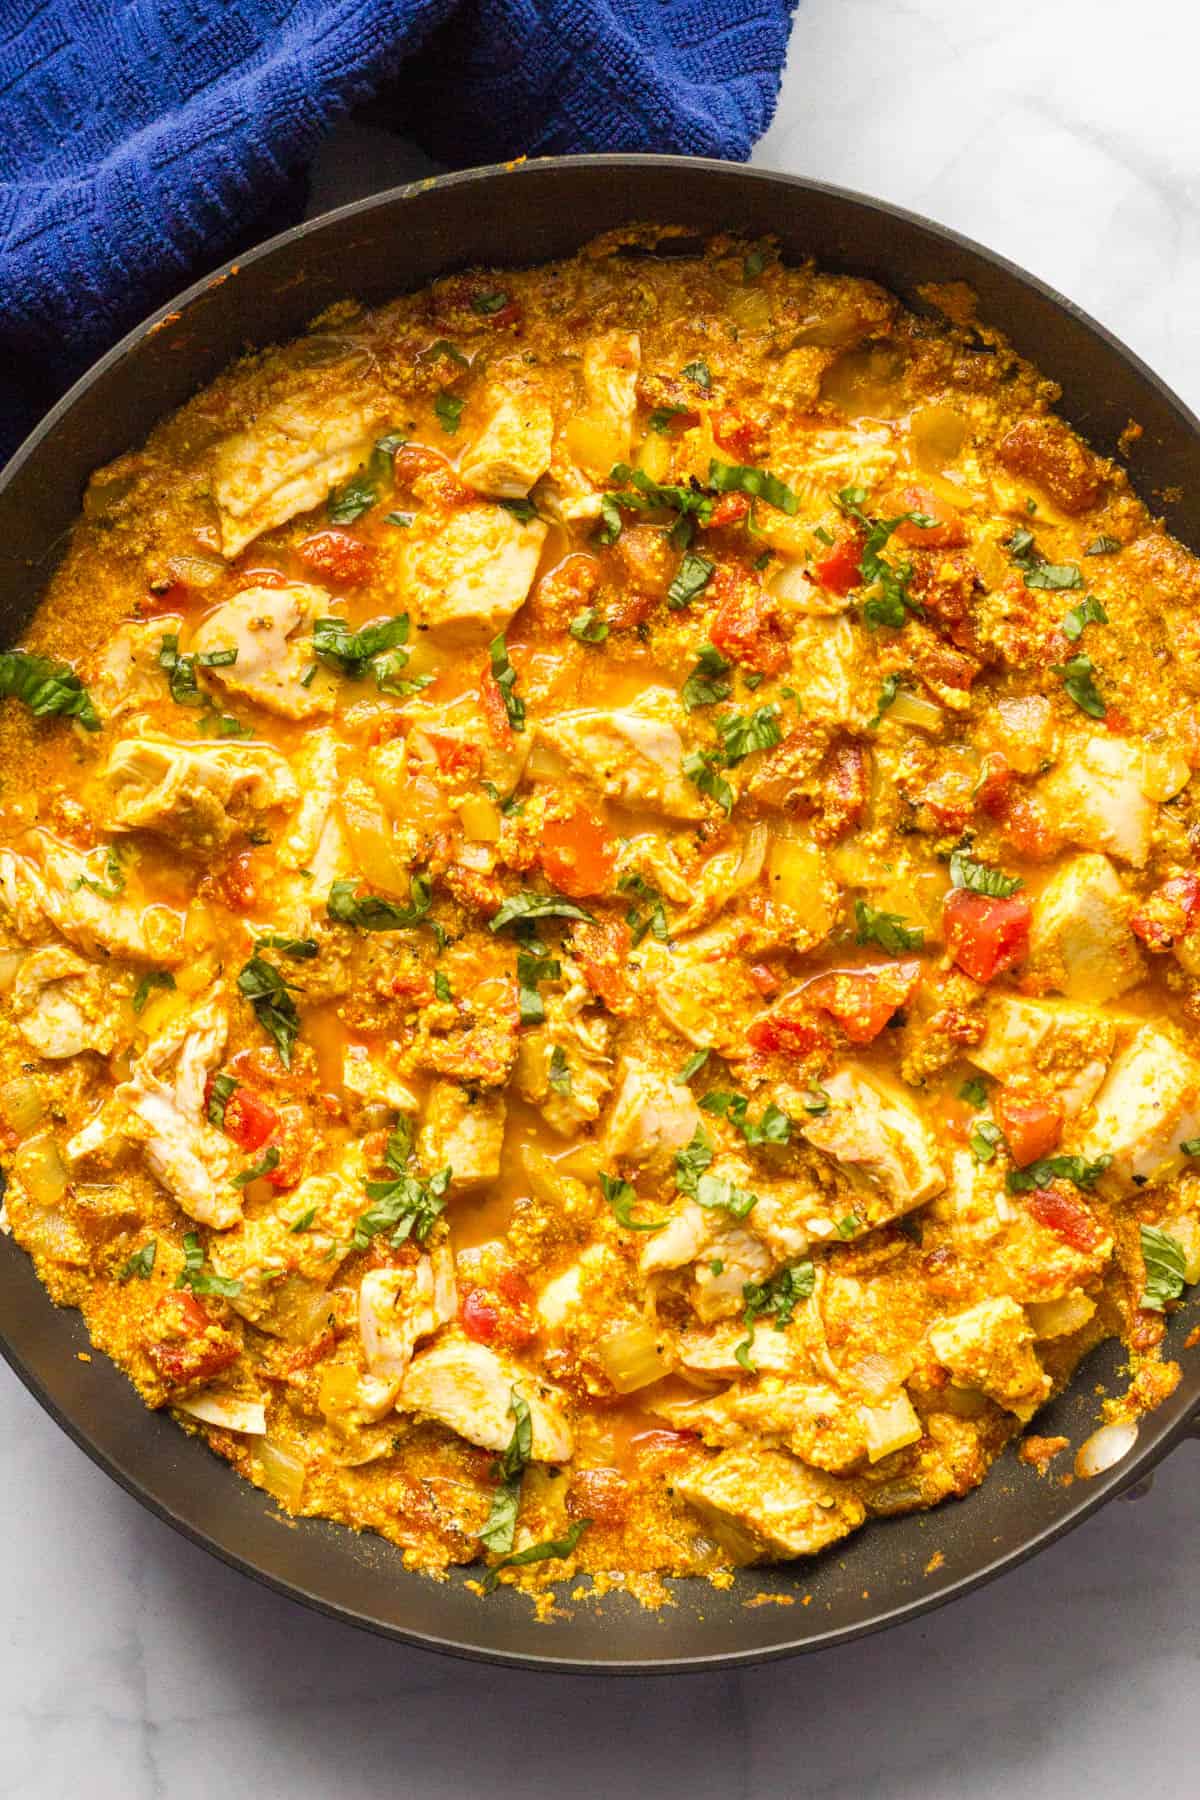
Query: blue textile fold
[{"x": 143, "y": 141}]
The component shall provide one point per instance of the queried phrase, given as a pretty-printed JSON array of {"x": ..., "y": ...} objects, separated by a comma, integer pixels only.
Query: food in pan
[{"x": 600, "y": 924}]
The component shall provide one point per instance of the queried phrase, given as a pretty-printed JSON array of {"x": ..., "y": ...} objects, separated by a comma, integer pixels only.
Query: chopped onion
[
  {"x": 282, "y": 1472},
  {"x": 791, "y": 584},
  {"x": 1165, "y": 772},
  {"x": 42, "y": 1171},
  {"x": 21, "y": 1104},
  {"x": 914, "y": 709},
  {"x": 248, "y": 1416},
  {"x": 754, "y": 850},
  {"x": 480, "y": 819},
  {"x": 302, "y": 1309},
  {"x": 1058, "y": 1318},
  {"x": 10, "y": 962},
  {"x": 196, "y": 571},
  {"x": 377, "y": 859},
  {"x": 631, "y": 1358},
  {"x": 890, "y": 1427},
  {"x": 796, "y": 876},
  {"x": 938, "y": 434},
  {"x": 545, "y": 764},
  {"x": 750, "y": 308},
  {"x": 1105, "y": 1448}
]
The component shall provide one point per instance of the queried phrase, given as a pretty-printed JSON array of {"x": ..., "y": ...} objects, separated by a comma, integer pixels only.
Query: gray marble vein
[{"x": 133, "y": 1667}]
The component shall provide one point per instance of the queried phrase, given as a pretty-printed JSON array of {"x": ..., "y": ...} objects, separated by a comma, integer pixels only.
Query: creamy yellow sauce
[{"x": 609, "y": 967}]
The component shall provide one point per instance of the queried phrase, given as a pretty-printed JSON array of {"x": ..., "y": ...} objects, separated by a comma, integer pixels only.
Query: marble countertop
[{"x": 134, "y": 1666}]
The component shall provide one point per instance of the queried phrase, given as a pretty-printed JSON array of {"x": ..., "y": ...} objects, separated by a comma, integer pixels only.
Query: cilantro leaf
[
  {"x": 1103, "y": 546},
  {"x": 704, "y": 686},
  {"x": 201, "y": 1280},
  {"x": 560, "y": 1072},
  {"x": 887, "y": 696},
  {"x": 494, "y": 301},
  {"x": 268, "y": 1161},
  {"x": 622, "y": 1198},
  {"x": 587, "y": 627},
  {"x": 373, "y": 912},
  {"x": 46, "y": 687},
  {"x": 744, "y": 733},
  {"x": 693, "y": 1065},
  {"x": 220, "y": 1093},
  {"x": 505, "y": 677},
  {"x": 694, "y": 574},
  {"x": 699, "y": 768},
  {"x": 985, "y": 1139},
  {"x": 405, "y": 1206},
  {"x": 536, "y": 906},
  {"x": 153, "y": 978},
  {"x": 759, "y": 484},
  {"x": 1078, "y": 678},
  {"x": 299, "y": 949},
  {"x": 266, "y": 990},
  {"x": 1166, "y": 1268},
  {"x": 973, "y": 1092},
  {"x": 698, "y": 372},
  {"x": 977, "y": 878},
  {"x": 777, "y": 1299},
  {"x": 532, "y": 968},
  {"x": 449, "y": 408},
  {"x": 692, "y": 1160},
  {"x": 886, "y": 929},
  {"x": 1089, "y": 611},
  {"x": 500, "y": 1529},
  {"x": 552, "y": 1547},
  {"x": 1075, "y": 1169},
  {"x": 141, "y": 1263}
]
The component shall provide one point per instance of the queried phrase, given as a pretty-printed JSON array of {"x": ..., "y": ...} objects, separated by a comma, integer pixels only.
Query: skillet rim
[{"x": 1169, "y": 1424}]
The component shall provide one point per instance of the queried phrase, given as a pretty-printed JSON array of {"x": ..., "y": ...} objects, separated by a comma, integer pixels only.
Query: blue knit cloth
[{"x": 143, "y": 141}]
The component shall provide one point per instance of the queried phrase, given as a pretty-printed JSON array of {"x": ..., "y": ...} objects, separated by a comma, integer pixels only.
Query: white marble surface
[{"x": 133, "y": 1667}]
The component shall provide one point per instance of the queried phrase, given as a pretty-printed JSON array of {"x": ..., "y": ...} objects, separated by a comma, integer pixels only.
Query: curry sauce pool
[{"x": 622, "y": 949}]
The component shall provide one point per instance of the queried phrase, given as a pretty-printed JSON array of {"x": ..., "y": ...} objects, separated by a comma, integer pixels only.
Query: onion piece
[
  {"x": 10, "y": 962},
  {"x": 21, "y": 1104},
  {"x": 42, "y": 1171},
  {"x": 632, "y": 1357},
  {"x": 248, "y": 1416},
  {"x": 282, "y": 1472},
  {"x": 1105, "y": 1448},
  {"x": 791, "y": 585}
]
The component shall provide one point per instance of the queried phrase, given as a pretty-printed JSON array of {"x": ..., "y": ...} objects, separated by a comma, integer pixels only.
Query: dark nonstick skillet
[{"x": 373, "y": 249}]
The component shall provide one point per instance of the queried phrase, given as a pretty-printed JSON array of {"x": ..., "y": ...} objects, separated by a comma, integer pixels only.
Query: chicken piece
[
  {"x": 129, "y": 674},
  {"x": 288, "y": 461},
  {"x": 571, "y": 1091},
  {"x": 765, "y": 1504},
  {"x": 1080, "y": 940},
  {"x": 990, "y": 1348},
  {"x": 683, "y": 1238},
  {"x": 373, "y": 1081},
  {"x": 1068, "y": 1046},
  {"x": 811, "y": 1419},
  {"x": 271, "y": 631},
  {"x": 1148, "y": 1107},
  {"x": 600, "y": 432},
  {"x": 284, "y": 1274},
  {"x": 1043, "y": 450},
  {"x": 826, "y": 670},
  {"x": 61, "y": 1007},
  {"x": 398, "y": 1307},
  {"x": 192, "y": 1159},
  {"x": 713, "y": 1353},
  {"x": 462, "y": 1131},
  {"x": 880, "y": 1142},
  {"x": 651, "y": 1117},
  {"x": 731, "y": 1258},
  {"x": 701, "y": 989},
  {"x": 1094, "y": 796},
  {"x": 633, "y": 754},
  {"x": 468, "y": 574},
  {"x": 1023, "y": 730},
  {"x": 184, "y": 792},
  {"x": 469, "y": 1388},
  {"x": 513, "y": 449},
  {"x": 316, "y": 778},
  {"x": 76, "y": 892}
]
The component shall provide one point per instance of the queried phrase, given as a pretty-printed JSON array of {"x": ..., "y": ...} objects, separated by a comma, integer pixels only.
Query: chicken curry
[{"x": 599, "y": 920}]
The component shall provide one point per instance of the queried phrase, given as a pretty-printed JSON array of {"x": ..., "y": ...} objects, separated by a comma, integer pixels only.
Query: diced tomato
[
  {"x": 766, "y": 979},
  {"x": 249, "y": 1121},
  {"x": 939, "y": 664},
  {"x": 746, "y": 627},
  {"x": 426, "y": 474},
  {"x": 740, "y": 437},
  {"x": 730, "y": 509},
  {"x": 1031, "y": 1127},
  {"x": 845, "y": 790},
  {"x": 235, "y": 882},
  {"x": 657, "y": 1446},
  {"x": 469, "y": 302},
  {"x": 863, "y": 1000},
  {"x": 646, "y": 560},
  {"x": 985, "y": 936},
  {"x": 491, "y": 702},
  {"x": 1028, "y": 827},
  {"x": 338, "y": 554},
  {"x": 1045, "y": 451},
  {"x": 186, "y": 1343},
  {"x": 601, "y": 1495},
  {"x": 1167, "y": 913},
  {"x": 293, "y": 1140},
  {"x": 577, "y": 854},
  {"x": 1067, "y": 1217},
  {"x": 992, "y": 788},
  {"x": 787, "y": 1031},
  {"x": 948, "y": 533},
  {"x": 565, "y": 590},
  {"x": 839, "y": 568},
  {"x": 500, "y": 1313},
  {"x": 459, "y": 756},
  {"x": 602, "y": 949}
]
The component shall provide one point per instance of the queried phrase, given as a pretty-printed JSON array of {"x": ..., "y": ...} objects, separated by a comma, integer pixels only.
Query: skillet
[{"x": 376, "y": 247}]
